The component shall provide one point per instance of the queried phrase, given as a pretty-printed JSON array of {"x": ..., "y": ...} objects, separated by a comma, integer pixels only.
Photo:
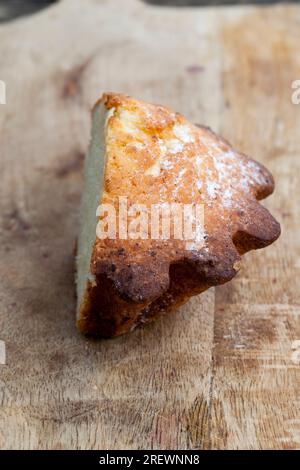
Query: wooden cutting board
[{"x": 224, "y": 371}]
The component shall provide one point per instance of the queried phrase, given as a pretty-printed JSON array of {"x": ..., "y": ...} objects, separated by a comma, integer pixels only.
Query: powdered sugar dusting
[
  {"x": 183, "y": 133},
  {"x": 223, "y": 174},
  {"x": 191, "y": 163},
  {"x": 212, "y": 189},
  {"x": 175, "y": 146}
]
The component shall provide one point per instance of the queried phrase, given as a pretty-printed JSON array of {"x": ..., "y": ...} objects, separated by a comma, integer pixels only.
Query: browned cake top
[{"x": 154, "y": 156}]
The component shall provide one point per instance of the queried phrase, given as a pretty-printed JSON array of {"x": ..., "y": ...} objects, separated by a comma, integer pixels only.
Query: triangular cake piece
[{"x": 143, "y": 156}]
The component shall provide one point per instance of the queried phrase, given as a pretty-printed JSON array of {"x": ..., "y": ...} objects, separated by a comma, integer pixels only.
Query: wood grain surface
[{"x": 224, "y": 371}]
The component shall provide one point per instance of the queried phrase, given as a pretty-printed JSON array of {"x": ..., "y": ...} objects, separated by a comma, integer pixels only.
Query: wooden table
[{"x": 224, "y": 371}]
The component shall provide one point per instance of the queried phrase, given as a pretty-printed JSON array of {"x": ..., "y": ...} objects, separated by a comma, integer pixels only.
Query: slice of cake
[{"x": 168, "y": 209}]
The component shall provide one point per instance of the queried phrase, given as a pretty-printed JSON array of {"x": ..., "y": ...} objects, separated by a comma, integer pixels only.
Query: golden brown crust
[{"x": 155, "y": 155}]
